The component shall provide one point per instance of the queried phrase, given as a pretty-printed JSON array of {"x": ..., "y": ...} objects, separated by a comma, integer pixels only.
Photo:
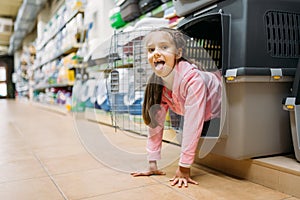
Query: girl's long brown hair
[
  {"x": 154, "y": 87},
  {"x": 153, "y": 94}
]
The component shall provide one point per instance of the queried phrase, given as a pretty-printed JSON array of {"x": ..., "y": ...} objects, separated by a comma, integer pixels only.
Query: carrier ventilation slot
[
  {"x": 283, "y": 34},
  {"x": 204, "y": 52}
]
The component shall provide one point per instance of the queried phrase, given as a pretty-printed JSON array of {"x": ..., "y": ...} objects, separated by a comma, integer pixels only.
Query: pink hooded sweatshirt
[{"x": 197, "y": 96}]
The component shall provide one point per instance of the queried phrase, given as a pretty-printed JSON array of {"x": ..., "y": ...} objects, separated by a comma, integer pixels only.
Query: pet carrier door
[{"x": 206, "y": 46}]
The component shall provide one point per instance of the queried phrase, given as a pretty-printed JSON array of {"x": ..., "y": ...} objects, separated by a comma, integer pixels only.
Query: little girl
[{"x": 181, "y": 86}]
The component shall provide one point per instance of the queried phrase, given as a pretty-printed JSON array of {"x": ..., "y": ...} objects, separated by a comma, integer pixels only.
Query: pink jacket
[{"x": 197, "y": 96}]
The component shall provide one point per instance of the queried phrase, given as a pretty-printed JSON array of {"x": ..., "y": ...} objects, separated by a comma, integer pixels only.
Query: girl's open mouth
[{"x": 159, "y": 65}]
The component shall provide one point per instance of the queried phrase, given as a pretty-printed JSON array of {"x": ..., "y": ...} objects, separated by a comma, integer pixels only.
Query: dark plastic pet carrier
[
  {"x": 129, "y": 9},
  {"x": 255, "y": 44},
  {"x": 185, "y": 7},
  {"x": 148, "y": 5}
]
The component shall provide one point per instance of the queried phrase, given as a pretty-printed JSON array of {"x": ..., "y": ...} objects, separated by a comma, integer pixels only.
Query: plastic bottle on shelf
[{"x": 77, "y": 105}]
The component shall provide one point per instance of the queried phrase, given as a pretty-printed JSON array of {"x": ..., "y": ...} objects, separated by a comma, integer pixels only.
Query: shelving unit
[
  {"x": 23, "y": 73},
  {"x": 55, "y": 66},
  {"x": 52, "y": 107},
  {"x": 64, "y": 52},
  {"x": 44, "y": 40}
]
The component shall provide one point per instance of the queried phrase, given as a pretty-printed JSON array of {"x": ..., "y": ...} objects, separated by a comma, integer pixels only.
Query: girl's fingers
[
  {"x": 149, "y": 173},
  {"x": 182, "y": 181},
  {"x": 175, "y": 181},
  {"x": 140, "y": 174},
  {"x": 185, "y": 182},
  {"x": 157, "y": 172},
  {"x": 160, "y": 172},
  {"x": 192, "y": 181}
]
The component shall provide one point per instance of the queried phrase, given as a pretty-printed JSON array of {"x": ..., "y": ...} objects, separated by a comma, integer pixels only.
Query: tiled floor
[{"x": 42, "y": 157}]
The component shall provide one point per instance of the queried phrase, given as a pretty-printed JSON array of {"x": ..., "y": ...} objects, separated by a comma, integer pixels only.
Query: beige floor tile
[
  {"x": 59, "y": 151},
  {"x": 12, "y": 149},
  {"x": 21, "y": 169},
  {"x": 30, "y": 189},
  {"x": 125, "y": 140},
  {"x": 96, "y": 182},
  {"x": 232, "y": 188},
  {"x": 71, "y": 163},
  {"x": 11, "y": 138},
  {"x": 67, "y": 158},
  {"x": 49, "y": 131},
  {"x": 107, "y": 152},
  {"x": 60, "y": 143},
  {"x": 47, "y": 136},
  {"x": 7, "y": 156},
  {"x": 152, "y": 192}
]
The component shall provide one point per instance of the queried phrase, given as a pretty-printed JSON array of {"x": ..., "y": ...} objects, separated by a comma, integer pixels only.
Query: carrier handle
[
  {"x": 296, "y": 83},
  {"x": 293, "y": 100}
]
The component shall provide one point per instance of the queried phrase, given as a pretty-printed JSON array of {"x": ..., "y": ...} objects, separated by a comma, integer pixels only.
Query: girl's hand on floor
[
  {"x": 148, "y": 173},
  {"x": 182, "y": 177},
  {"x": 153, "y": 170}
]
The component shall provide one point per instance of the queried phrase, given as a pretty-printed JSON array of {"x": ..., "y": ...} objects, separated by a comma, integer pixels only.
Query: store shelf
[
  {"x": 44, "y": 86},
  {"x": 98, "y": 115},
  {"x": 64, "y": 52},
  {"x": 73, "y": 15},
  {"x": 61, "y": 109},
  {"x": 128, "y": 65},
  {"x": 22, "y": 90}
]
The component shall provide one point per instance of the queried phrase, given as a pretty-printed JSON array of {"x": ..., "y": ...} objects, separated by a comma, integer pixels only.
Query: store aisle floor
[{"x": 42, "y": 158}]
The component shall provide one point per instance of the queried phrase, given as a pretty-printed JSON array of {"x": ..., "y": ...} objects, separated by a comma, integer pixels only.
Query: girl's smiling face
[{"x": 162, "y": 52}]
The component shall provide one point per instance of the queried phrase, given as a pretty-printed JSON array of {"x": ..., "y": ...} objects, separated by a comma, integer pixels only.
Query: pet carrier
[
  {"x": 148, "y": 5},
  {"x": 256, "y": 46},
  {"x": 185, "y": 7},
  {"x": 129, "y": 9}
]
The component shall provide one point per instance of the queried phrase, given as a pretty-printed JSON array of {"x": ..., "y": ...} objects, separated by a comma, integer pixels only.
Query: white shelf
[{"x": 52, "y": 107}]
